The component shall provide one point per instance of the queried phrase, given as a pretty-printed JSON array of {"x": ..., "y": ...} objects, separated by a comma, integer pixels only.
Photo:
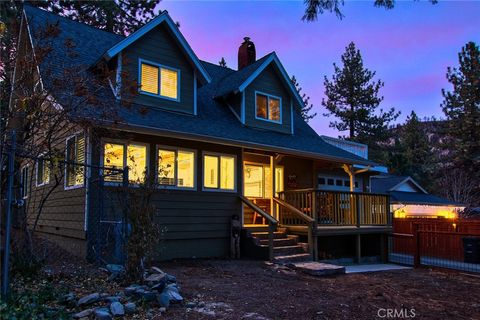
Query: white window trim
[
  {"x": 268, "y": 98},
  {"x": 176, "y": 149},
  {"x": 77, "y": 186},
  {"x": 44, "y": 183},
  {"x": 217, "y": 154},
  {"x": 28, "y": 178},
  {"x": 125, "y": 144},
  {"x": 159, "y": 66}
]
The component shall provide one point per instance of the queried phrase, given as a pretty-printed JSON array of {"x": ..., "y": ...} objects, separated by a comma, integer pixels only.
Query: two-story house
[{"x": 218, "y": 143}]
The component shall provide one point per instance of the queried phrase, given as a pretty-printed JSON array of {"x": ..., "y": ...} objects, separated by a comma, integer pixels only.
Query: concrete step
[
  {"x": 264, "y": 235},
  {"x": 292, "y": 258},
  {"x": 289, "y": 241},
  {"x": 288, "y": 250}
]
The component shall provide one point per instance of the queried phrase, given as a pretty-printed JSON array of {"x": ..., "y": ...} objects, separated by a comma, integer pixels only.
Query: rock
[
  {"x": 190, "y": 305},
  {"x": 159, "y": 286},
  {"x": 171, "y": 278},
  {"x": 117, "y": 309},
  {"x": 102, "y": 314},
  {"x": 69, "y": 298},
  {"x": 130, "y": 290},
  {"x": 162, "y": 309},
  {"x": 91, "y": 298},
  {"x": 175, "y": 296},
  {"x": 115, "y": 268},
  {"x": 163, "y": 299},
  {"x": 148, "y": 295},
  {"x": 130, "y": 308},
  {"x": 156, "y": 277},
  {"x": 83, "y": 314},
  {"x": 172, "y": 287},
  {"x": 317, "y": 268},
  {"x": 157, "y": 270},
  {"x": 111, "y": 299}
]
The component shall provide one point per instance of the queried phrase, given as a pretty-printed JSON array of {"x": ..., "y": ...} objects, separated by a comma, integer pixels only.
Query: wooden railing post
[
  {"x": 417, "y": 244},
  {"x": 271, "y": 230},
  {"x": 358, "y": 211}
]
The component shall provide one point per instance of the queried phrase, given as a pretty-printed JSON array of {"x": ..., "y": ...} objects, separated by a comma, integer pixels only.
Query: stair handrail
[
  {"x": 311, "y": 224},
  {"x": 272, "y": 223}
]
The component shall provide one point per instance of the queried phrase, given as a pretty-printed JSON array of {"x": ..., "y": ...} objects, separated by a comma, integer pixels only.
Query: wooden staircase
[{"x": 286, "y": 248}]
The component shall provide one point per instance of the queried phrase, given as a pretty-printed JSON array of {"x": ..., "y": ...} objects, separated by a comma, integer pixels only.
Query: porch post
[
  {"x": 351, "y": 173},
  {"x": 273, "y": 206}
]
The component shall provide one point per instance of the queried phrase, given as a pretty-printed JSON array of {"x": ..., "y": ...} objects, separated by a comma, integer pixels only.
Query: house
[
  {"x": 409, "y": 200},
  {"x": 218, "y": 142}
]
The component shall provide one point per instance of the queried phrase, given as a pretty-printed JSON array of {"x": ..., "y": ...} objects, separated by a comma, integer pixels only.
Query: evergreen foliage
[{"x": 307, "y": 107}]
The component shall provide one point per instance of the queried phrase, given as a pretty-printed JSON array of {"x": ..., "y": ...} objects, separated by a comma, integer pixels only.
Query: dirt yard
[{"x": 254, "y": 290}]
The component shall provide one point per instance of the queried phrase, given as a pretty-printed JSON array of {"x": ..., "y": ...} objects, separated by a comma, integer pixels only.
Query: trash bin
[{"x": 471, "y": 250}]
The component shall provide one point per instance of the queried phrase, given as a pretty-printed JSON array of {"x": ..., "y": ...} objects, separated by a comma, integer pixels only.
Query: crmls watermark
[{"x": 404, "y": 313}]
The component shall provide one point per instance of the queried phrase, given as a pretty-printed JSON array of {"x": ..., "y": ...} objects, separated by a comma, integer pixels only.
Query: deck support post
[
  {"x": 358, "y": 248},
  {"x": 271, "y": 230}
]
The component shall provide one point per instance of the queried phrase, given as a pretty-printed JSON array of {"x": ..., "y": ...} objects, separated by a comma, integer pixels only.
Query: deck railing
[{"x": 337, "y": 208}]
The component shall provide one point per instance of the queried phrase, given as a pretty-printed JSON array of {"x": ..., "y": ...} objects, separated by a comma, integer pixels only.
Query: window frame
[
  {"x": 158, "y": 66},
  {"x": 268, "y": 107},
  {"x": 44, "y": 183},
  {"x": 176, "y": 150},
  {"x": 74, "y": 136},
  {"x": 125, "y": 146},
  {"x": 25, "y": 186},
  {"x": 235, "y": 173}
]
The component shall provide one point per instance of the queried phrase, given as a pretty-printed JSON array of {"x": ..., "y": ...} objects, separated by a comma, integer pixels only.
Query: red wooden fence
[{"x": 440, "y": 238}]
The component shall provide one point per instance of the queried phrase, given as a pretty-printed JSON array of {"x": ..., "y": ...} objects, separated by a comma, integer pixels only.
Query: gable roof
[
  {"x": 419, "y": 198},
  {"x": 214, "y": 121},
  {"x": 164, "y": 17},
  {"x": 390, "y": 183},
  {"x": 241, "y": 79}
]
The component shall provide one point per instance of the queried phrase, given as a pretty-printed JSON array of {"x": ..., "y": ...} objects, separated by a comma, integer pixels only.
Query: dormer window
[
  {"x": 268, "y": 107},
  {"x": 160, "y": 81}
]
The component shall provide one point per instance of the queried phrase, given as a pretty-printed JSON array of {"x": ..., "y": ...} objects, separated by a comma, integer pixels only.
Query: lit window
[
  {"x": 258, "y": 181},
  {"x": 43, "y": 171},
  {"x": 158, "y": 80},
  {"x": 176, "y": 168},
  {"x": 119, "y": 156},
  {"x": 268, "y": 107},
  {"x": 149, "y": 80},
  {"x": 24, "y": 180},
  {"x": 75, "y": 154},
  {"x": 219, "y": 172}
]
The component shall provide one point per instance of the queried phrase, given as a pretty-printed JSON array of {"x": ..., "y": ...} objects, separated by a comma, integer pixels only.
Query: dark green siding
[
  {"x": 159, "y": 46},
  {"x": 268, "y": 82},
  {"x": 196, "y": 222}
]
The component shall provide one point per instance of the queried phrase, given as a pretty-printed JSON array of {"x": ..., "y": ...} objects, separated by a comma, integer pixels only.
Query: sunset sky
[{"x": 409, "y": 47}]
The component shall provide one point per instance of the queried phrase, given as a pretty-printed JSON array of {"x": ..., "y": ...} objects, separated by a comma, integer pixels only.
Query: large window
[
  {"x": 159, "y": 80},
  {"x": 121, "y": 155},
  {"x": 75, "y": 156},
  {"x": 219, "y": 172},
  {"x": 258, "y": 180},
  {"x": 176, "y": 167},
  {"x": 268, "y": 107},
  {"x": 25, "y": 187},
  {"x": 43, "y": 171}
]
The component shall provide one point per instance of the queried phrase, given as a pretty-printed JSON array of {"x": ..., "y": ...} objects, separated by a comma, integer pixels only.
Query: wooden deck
[{"x": 323, "y": 231}]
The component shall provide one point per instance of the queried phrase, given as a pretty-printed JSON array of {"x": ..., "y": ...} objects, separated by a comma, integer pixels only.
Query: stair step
[
  {"x": 264, "y": 235},
  {"x": 288, "y": 250},
  {"x": 289, "y": 241},
  {"x": 292, "y": 258}
]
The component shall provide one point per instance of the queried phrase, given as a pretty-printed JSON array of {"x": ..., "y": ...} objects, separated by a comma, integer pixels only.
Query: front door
[{"x": 258, "y": 188}]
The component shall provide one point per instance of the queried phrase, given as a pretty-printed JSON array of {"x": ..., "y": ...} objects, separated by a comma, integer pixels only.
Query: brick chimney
[{"x": 246, "y": 53}]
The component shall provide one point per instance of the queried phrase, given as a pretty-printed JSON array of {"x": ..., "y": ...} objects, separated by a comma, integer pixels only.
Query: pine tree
[
  {"x": 121, "y": 17},
  {"x": 352, "y": 96},
  {"x": 462, "y": 109},
  {"x": 222, "y": 63},
  {"x": 307, "y": 106},
  {"x": 412, "y": 155}
]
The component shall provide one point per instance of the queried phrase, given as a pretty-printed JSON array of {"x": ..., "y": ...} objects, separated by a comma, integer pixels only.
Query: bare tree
[{"x": 458, "y": 186}]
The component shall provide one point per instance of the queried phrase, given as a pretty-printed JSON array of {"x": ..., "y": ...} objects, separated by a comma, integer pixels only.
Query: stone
[
  {"x": 190, "y": 305},
  {"x": 159, "y": 286},
  {"x": 157, "y": 270},
  {"x": 69, "y": 298},
  {"x": 162, "y": 309},
  {"x": 115, "y": 268},
  {"x": 130, "y": 290},
  {"x": 148, "y": 295},
  {"x": 111, "y": 299},
  {"x": 317, "y": 268},
  {"x": 172, "y": 287},
  {"x": 89, "y": 299},
  {"x": 171, "y": 278},
  {"x": 102, "y": 314},
  {"x": 175, "y": 296},
  {"x": 130, "y": 308},
  {"x": 163, "y": 299},
  {"x": 83, "y": 314},
  {"x": 156, "y": 277},
  {"x": 117, "y": 309}
]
